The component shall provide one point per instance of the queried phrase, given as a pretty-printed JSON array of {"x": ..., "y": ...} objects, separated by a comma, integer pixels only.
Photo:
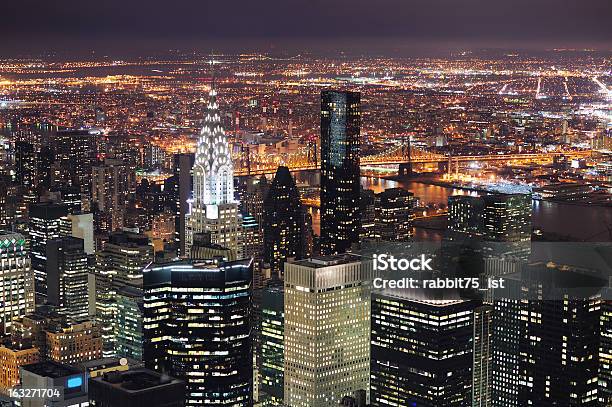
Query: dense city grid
[{"x": 198, "y": 229}]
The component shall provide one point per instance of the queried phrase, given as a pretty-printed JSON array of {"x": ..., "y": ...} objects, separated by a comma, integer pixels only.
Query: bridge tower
[
  {"x": 246, "y": 151},
  {"x": 312, "y": 152},
  {"x": 406, "y": 167}
]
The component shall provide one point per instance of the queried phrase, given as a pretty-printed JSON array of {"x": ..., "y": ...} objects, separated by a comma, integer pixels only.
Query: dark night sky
[{"x": 136, "y": 26}]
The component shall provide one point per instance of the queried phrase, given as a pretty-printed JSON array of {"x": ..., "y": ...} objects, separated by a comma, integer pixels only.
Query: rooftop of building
[
  {"x": 8, "y": 237},
  {"x": 130, "y": 291},
  {"x": 133, "y": 381},
  {"x": 129, "y": 238},
  {"x": 17, "y": 347},
  {"x": 105, "y": 363},
  {"x": 212, "y": 265},
  {"x": 327, "y": 261},
  {"x": 51, "y": 369}
]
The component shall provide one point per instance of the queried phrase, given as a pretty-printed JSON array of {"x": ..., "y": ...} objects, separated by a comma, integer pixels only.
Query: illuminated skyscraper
[
  {"x": 495, "y": 217},
  {"x": 327, "y": 329},
  {"x": 67, "y": 277},
  {"x": 340, "y": 192},
  {"x": 394, "y": 215},
  {"x": 213, "y": 207},
  {"x": 47, "y": 221},
  {"x": 498, "y": 229},
  {"x": 368, "y": 213},
  {"x": 76, "y": 152},
  {"x": 421, "y": 352},
  {"x": 253, "y": 198},
  {"x": 284, "y": 222},
  {"x": 605, "y": 351},
  {"x": 112, "y": 184},
  {"x": 251, "y": 239},
  {"x": 272, "y": 344},
  {"x": 197, "y": 327},
  {"x": 128, "y": 322},
  {"x": 481, "y": 383},
  {"x": 26, "y": 169},
  {"x": 120, "y": 262},
  {"x": 16, "y": 280},
  {"x": 67, "y": 195},
  {"x": 546, "y": 342}
]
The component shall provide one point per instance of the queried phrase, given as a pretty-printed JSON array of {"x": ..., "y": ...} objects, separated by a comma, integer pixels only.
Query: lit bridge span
[{"x": 305, "y": 159}]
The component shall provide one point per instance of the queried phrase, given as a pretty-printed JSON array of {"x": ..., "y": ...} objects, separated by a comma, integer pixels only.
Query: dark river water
[{"x": 581, "y": 222}]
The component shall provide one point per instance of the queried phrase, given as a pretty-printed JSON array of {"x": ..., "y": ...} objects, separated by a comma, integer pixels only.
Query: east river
[{"x": 580, "y": 222}]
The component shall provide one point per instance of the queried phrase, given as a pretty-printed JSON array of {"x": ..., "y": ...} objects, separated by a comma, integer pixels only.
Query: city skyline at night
[{"x": 306, "y": 204}]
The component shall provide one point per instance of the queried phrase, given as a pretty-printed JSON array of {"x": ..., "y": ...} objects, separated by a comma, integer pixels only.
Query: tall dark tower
[
  {"x": 284, "y": 221},
  {"x": 182, "y": 190},
  {"x": 340, "y": 123}
]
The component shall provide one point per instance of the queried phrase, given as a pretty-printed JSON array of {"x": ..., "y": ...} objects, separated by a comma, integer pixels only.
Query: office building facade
[
  {"x": 327, "y": 329},
  {"x": 271, "y": 377},
  {"x": 67, "y": 277},
  {"x": 430, "y": 363},
  {"x": 47, "y": 221},
  {"x": 197, "y": 328},
  {"x": 16, "y": 280}
]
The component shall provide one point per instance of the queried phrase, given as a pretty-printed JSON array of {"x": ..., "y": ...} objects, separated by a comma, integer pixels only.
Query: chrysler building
[{"x": 213, "y": 207}]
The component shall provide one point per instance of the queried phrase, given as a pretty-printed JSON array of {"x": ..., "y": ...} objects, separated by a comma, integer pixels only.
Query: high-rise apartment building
[
  {"x": 340, "y": 186},
  {"x": 197, "y": 327},
  {"x": 252, "y": 240},
  {"x": 76, "y": 153},
  {"x": 327, "y": 329},
  {"x": 495, "y": 217},
  {"x": 26, "y": 170},
  {"x": 253, "y": 198},
  {"x": 181, "y": 186}
]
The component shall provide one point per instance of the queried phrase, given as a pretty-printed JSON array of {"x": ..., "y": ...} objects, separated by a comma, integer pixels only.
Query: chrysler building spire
[
  {"x": 213, "y": 208},
  {"x": 213, "y": 172}
]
